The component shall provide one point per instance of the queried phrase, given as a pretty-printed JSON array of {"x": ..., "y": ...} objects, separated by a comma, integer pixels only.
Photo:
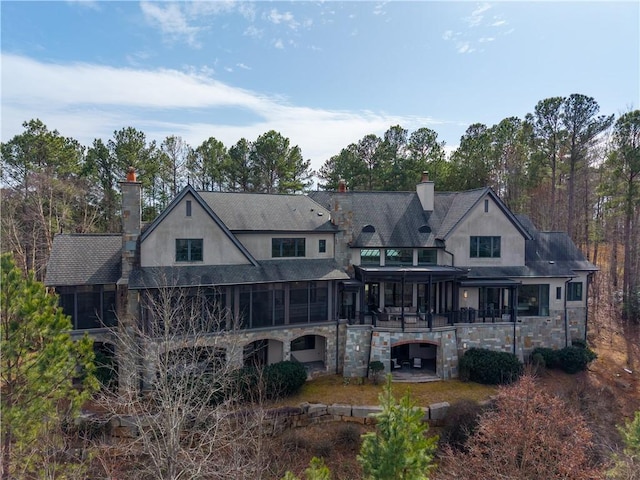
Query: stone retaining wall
[{"x": 277, "y": 420}]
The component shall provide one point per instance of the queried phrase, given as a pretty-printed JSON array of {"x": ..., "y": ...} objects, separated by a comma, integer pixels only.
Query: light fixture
[
  {"x": 357, "y": 348},
  {"x": 465, "y": 293}
]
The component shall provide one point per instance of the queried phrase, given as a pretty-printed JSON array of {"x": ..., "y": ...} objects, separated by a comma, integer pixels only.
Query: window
[
  {"x": 558, "y": 293},
  {"x": 399, "y": 256},
  {"x": 322, "y": 246},
  {"x": 188, "y": 208},
  {"x": 188, "y": 250},
  {"x": 574, "y": 291},
  {"x": 427, "y": 256},
  {"x": 370, "y": 257},
  {"x": 287, "y": 247},
  {"x": 533, "y": 300},
  {"x": 484, "y": 247},
  {"x": 486, "y": 206}
]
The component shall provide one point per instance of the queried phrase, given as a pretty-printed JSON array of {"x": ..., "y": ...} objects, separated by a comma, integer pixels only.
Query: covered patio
[{"x": 408, "y": 296}]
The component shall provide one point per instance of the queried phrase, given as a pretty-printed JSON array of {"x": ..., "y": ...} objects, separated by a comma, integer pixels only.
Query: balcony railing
[{"x": 435, "y": 320}]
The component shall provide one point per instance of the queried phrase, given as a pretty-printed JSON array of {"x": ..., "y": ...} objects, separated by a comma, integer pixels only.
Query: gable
[
  {"x": 219, "y": 245},
  {"x": 488, "y": 217}
]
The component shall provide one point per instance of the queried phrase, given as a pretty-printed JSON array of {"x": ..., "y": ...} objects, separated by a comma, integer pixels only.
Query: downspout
[
  {"x": 513, "y": 300},
  {"x": 370, "y": 350},
  {"x": 566, "y": 314},
  {"x": 586, "y": 304},
  {"x": 453, "y": 262},
  {"x": 335, "y": 309}
]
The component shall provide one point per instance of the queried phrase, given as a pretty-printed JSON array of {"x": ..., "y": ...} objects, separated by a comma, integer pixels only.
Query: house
[{"x": 338, "y": 279}]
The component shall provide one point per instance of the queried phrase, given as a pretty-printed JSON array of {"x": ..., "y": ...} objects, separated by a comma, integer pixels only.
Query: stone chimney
[
  {"x": 426, "y": 192},
  {"x": 127, "y": 300},
  {"x": 342, "y": 217},
  {"x": 131, "y": 222}
]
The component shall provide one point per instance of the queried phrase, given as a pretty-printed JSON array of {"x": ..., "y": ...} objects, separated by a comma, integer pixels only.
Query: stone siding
[{"x": 365, "y": 343}]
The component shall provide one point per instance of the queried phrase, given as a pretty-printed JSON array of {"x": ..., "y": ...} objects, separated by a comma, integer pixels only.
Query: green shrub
[
  {"x": 575, "y": 359},
  {"x": 274, "y": 381},
  {"x": 549, "y": 357},
  {"x": 579, "y": 342},
  {"x": 489, "y": 367},
  {"x": 376, "y": 367},
  {"x": 284, "y": 379}
]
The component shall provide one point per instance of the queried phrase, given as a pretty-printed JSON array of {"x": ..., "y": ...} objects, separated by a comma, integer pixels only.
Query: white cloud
[
  {"x": 499, "y": 23},
  {"x": 447, "y": 35},
  {"x": 486, "y": 39},
  {"x": 171, "y": 21},
  {"x": 243, "y": 66},
  {"x": 278, "y": 43},
  {"x": 477, "y": 15},
  {"x": 87, "y": 101},
  {"x": 253, "y": 31},
  {"x": 90, "y": 4},
  {"x": 464, "y": 47},
  {"x": 285, "y": 18}
]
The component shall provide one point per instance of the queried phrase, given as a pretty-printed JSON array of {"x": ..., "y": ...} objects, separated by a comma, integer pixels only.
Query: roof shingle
[{"x": 84, "y": 259}]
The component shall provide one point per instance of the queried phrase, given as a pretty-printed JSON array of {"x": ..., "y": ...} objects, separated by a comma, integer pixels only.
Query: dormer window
[{"x": 188, "y": 208}]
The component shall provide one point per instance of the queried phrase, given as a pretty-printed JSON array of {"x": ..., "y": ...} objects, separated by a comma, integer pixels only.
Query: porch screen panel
[
  {"x": 319, "y": 301},
  {"x": 245, "y": 306},
  {"x": 261, "y": 306},
  {"x": 299, "y": 302},
  {"x": 394, "y": 297},
  {"x": 109, "y": 308},
  {"x": 278, "y": 304},
  {"x": 88, "y": 310}
]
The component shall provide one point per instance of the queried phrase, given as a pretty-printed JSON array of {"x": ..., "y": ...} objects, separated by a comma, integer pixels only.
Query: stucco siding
[
  {"x": 491, "y": 223},
  {"x": 159, "y": 248},
  {"x": 259, "y": 244}
]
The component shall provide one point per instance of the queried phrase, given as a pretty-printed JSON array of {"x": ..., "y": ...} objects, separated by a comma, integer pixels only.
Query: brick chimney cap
[
  {"x": 342, "y": 185},
  {"x": 425, "y": 176}
]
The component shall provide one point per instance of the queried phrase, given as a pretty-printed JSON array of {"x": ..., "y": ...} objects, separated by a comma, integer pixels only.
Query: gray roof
[
  {"x": 547, "y": 254},
  {"x": 395, "y": 216},
  {"x": 268, "y": 212},
  {"x": 270, "y": 271},
  {"x": 398, "y": 216},
  {"x": 84, "y": 259}
]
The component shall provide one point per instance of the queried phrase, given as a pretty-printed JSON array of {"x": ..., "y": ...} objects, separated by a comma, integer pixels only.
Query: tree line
[{"x": 564, "y": 165}]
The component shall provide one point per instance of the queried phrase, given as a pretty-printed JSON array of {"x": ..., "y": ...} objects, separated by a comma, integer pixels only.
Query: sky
[{"x": 324, "y": 74}]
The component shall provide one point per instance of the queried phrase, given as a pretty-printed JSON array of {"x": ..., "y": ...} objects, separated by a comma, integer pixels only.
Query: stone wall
[
  {"x": 277, "y": 420},
  {"x": 366, "y": 344}
]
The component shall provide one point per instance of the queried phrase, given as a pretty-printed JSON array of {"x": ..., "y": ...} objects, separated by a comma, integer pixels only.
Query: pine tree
[
  {"x": 39, "y": 365},
  {"x": 399, "y": 448}
]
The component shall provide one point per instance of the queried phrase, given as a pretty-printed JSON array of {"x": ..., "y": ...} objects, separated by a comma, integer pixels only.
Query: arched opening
[
  {"x": 311, "y": 351},
  {"x": 263, "y": 352}
]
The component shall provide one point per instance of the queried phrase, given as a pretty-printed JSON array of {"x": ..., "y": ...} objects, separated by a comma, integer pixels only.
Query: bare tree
[
  {"x": 529, "y": 434},
  {"x": 187, "y": 422}
]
